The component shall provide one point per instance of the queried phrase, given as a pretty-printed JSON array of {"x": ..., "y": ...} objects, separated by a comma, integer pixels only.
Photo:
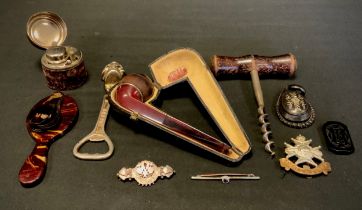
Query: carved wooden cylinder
[{"x": 278, "y": 66}]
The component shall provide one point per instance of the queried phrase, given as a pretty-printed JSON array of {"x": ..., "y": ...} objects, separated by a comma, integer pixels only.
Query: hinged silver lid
[{"x": 46, "y": 29}]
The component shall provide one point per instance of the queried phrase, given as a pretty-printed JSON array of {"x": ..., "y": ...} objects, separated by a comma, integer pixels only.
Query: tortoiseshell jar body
[{"x": 63, "y": 67}]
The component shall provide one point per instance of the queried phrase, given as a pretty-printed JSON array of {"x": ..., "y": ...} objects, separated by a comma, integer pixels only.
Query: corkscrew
[
  {"x": 275, "y": 66},
  {"x": 264, "y": 125},
  {"x": 265, "y": 129}
]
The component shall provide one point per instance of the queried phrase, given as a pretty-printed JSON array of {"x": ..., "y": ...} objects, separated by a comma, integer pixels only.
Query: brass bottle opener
[
  {"x": 97, "y": 135},
  {"x": 111, "y": 74}
]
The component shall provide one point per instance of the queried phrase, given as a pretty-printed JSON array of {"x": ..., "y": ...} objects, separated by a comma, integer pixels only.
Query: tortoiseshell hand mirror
[{"x": 47, "y": 121}]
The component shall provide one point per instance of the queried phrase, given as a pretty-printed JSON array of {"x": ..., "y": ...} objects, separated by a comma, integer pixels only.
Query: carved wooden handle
[
  {"x": 34, "y": 167},
  {"x": 279, "y": 66}
]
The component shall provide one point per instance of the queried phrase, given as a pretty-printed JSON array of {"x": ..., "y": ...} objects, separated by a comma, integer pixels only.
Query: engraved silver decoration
[
  {"x": 145, "y": 173},
  {"x": 293, "y": 109}
]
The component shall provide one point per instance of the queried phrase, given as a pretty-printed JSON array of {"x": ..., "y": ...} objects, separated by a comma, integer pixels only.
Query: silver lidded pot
[{"x": 63, "y": 66}]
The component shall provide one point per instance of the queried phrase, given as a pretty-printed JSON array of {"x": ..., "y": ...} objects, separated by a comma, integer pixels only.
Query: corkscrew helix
[
  {"x": 265, "y": 129},
  {"x": 264, "y": 125}
]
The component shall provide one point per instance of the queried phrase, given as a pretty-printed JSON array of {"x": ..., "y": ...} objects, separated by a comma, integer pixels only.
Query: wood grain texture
[{"x": 279, "y": 66}]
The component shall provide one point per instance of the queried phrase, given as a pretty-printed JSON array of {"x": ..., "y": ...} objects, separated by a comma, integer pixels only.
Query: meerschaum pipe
[
  {"x": 135, "y": 93},
  {"x": 132, "y": 93}
]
